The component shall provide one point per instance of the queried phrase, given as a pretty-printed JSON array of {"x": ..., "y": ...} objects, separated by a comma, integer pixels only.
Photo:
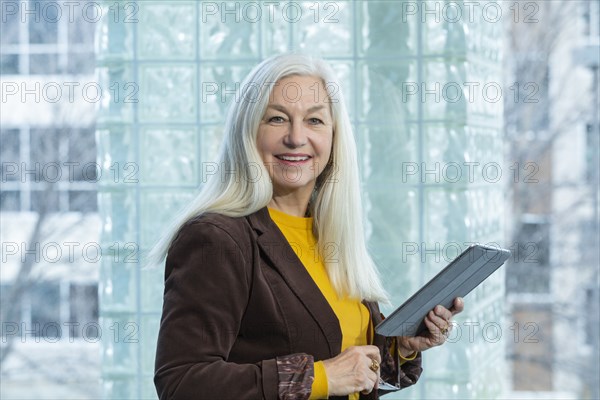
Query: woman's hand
[
  {"x": 439, "y": 323},
  {"x": 351, "y": 372}
]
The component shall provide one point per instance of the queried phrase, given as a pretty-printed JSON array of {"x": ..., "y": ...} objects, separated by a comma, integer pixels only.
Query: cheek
[
  {"x": 262, "y": 145},
  {"x": 325, "y": 151}
]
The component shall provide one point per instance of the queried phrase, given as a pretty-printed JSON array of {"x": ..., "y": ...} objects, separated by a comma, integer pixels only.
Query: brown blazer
[{"x": 243, "y": 319}]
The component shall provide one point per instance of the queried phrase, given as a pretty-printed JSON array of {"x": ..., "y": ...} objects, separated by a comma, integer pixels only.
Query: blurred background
[{"x": 476, "y": 122}]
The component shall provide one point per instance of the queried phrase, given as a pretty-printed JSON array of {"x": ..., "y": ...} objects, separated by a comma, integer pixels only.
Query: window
[
  {"x": 60, "y": 41},
  {"x": 83, "y": 201},
  {"x": 82, "y": 151},
  {"x": 10, "y": 200},
  {"x": 9, "y": 28},
  {"x": 83, "y": 305},
  {"x": 4, "y": 292},
  {"x": 529, "y": 270},
  {"x": 45, "y": 201},
  {"x": 45, "y": 308},
  {"x": 43, "y": 21},
  {"x": 60, "y": 170},
  {"x": 44, "y": 64},
  {"x": 9, "y": 64},
  {"x": 591, "y": 154},
  {"x": 9, "y": 154}
]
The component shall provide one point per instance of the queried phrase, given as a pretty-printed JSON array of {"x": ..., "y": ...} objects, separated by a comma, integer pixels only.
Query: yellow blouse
[{"x": 353, "y": 316}]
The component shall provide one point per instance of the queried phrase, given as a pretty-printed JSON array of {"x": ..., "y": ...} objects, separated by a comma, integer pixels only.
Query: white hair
[{"x": 336, "y": 202}]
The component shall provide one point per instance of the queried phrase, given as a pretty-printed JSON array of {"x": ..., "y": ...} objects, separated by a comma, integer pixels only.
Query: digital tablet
[{"x": 457, "y": 279}]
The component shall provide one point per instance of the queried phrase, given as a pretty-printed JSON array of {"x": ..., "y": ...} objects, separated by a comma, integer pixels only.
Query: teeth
[{"x": 287, "y": 158}]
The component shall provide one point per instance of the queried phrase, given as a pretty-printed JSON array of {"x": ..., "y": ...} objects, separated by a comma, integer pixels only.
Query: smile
[{"x": 293, "y": 158}]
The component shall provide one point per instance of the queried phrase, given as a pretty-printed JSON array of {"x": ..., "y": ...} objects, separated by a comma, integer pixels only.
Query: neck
[{"x": 298, "y": 209}]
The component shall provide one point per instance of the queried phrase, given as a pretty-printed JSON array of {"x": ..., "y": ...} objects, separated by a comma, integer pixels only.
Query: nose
[{"x": 296, "y": 136}]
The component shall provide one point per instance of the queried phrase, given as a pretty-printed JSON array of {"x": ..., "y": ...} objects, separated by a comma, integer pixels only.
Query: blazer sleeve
[
  {"x": 207, "y": 286},
  {"x": 393, "y": 371}
]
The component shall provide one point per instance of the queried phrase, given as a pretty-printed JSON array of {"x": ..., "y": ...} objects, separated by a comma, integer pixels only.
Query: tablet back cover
[{"x": 457, "y": 279}]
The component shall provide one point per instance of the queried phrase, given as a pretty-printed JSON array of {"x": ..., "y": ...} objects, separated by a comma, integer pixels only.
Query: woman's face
[{"x": 295, "y": 135}]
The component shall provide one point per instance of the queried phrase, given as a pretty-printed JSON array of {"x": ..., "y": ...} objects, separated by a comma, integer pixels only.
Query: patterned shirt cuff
[{"x": 296, "y": 375}]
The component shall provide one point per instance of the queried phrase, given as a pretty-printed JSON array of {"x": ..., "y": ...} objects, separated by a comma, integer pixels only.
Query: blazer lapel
[{"x": 275, "y": 246}]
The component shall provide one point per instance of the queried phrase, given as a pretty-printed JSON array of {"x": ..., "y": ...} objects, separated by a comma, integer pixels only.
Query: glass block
[
  {"x": 152, "y": 288},
  {"x": 388, "y": 152},
  {"x": 447, "y": 159},
  {"x": 168, "y": 93},
  {"x": 118, "y": 210},
  {"x": 148, "y": 388},
  {"x": 120, "y": 341},
  {"x": 119, "y": 388},
  {"x": 444, "y": 91},
  {"x": 447, "y": 389},
  {"x": 149, "y": 336},
  {"x": 116, "y": 157},
  {"x": 484, "y": 149},
  {"x": 218, "y": 86},
  {"x": 482, "y": 32},
  {"x": 344, "y": 72},
  {"x": 118, "y": 277},
  {"x": 451, "y": 364},
  {"x": 169, "y": 156},
  {"x": 399, "y": 268},
  {"x": 391, "y": 225},
  {"x": 387, "y": 30},
  {"x": 445, "y": 27},
  {"x": 276, "y": 32},
  {"x": 230, "y": 30},
  {"x": 167, "y": 30},
  {"x": 446, "y": 229},
  {"x": 119, "y": 92},
  {"x": 311, "y": 22},
  {"x": 212, "y": 136},
  {"x": 388, "y": 91},
  {"x": 158, "y": 210},
  {"x": 485, "y": 93},
  {"x": 114, "y": 35},
  {"x": 445, "y": 216}
]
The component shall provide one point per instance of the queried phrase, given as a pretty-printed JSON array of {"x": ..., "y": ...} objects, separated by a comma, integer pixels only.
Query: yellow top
[{"x": 353, "y": 316}]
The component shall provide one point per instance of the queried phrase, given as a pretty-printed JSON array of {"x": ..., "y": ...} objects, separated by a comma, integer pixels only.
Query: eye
[
  {"x": 276, "y": 119},
  {"x": 315, "y": 121}
]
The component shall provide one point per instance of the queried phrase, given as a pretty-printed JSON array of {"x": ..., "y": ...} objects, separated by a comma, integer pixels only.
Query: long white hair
[{"x": 336, "y": 202}]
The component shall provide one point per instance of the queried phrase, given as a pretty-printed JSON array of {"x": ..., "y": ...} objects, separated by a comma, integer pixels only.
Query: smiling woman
[
  {"x": 295, "y": 138},
  {"x": 269, "y": 289}
]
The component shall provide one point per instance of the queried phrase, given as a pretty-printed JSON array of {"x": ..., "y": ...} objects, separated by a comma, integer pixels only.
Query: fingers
[
  {"x": 458, "y": 306},
  {"x": 439, "y": 320},
  {"x": 374, "y": 365},
  {"x": 356, "y": 369},
  {"x": 372, "y": 378},
  {"x": 441, "y": 312},
  {"x": 438, "y": 328},
  {"x": 372, "y": 352}
]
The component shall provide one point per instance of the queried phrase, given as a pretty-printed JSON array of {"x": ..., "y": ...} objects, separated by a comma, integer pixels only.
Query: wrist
[{"x": 406, "y": 353}]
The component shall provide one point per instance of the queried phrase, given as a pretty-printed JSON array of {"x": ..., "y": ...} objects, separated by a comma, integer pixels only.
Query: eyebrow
[{"x": 281, "y": 108}]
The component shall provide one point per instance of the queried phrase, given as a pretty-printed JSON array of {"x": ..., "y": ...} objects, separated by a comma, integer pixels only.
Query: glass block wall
[{"x": 419, "y": 81}]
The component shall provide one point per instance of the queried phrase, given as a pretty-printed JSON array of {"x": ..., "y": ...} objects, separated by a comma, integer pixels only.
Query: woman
[{"x": 269, "y": 289}]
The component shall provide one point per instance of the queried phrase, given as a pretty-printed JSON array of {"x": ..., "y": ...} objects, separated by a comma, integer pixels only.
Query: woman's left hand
[{"x": 439, "y": 323}]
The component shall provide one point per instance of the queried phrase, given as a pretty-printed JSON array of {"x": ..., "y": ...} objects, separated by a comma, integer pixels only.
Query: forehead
[{"x": 299, "y": 90}]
